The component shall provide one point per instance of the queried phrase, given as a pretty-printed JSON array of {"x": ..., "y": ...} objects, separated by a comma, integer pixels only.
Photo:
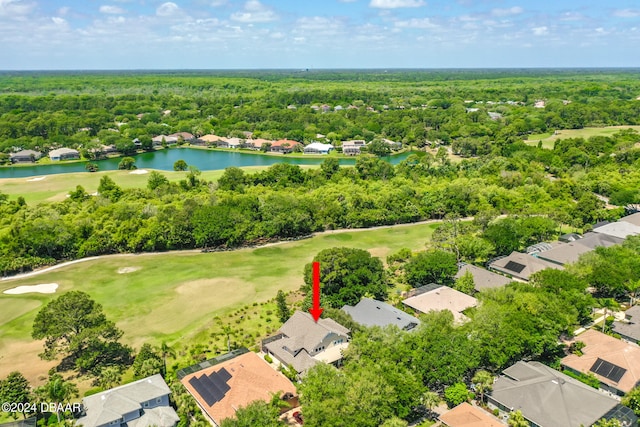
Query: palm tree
[
  {"x": 58, "y": 391},
  {"x": 483, "y": 381},
  {"x": 166, "y": 351},
  {"x": 430, "y": 400},
  {"x": 109, "y": 377},
  {"x": 516, "y": 419},
  {"x": 227, "y": 330}
]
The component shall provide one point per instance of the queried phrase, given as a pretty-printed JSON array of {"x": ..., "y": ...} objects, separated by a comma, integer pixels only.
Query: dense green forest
[
  {"x": 84, "y": 110},
  {"x": 499, "y": 174},
  {"x": 286, "y": 201}
]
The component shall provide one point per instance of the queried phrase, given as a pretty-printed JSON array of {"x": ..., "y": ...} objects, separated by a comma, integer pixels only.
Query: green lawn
[
  {"x": 548, "y": 139},
  {"x": 175, "y": 296},
  {"x": 56, "y": 187}
]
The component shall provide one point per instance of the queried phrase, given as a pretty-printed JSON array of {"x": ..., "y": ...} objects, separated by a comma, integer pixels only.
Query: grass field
[
  {"x": 56, "y": 187},
  {"x": 175, "y": 296},
  {"x": 549, "y": 139}
]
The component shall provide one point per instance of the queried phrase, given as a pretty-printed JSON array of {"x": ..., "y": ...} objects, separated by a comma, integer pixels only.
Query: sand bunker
[
  {"x": 139, "y": 172},
  {"x": 45, "y": 288},
  {"x": 125, "y": 270},
  {"x": 40, "y": 178}
]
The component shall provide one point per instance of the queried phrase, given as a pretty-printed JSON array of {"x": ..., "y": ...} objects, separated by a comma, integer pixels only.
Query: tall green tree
[
  {"x": 258, "y": 413},
  {"x": 632, "y": 400},
  {"x": 147, "y": 357},
  {"x": 483, "y": 381},
  {"x": 109, "y": 189},
  {"x": 283, "y": 309},
  {"x": 156, "y": 179},
  {"x": 456, "y": 394},
  {"x": 75, "y": 327},
  {"x": 16, "y": 389},
  {"x": 180, "y": 165},
  {"x": 57, "y": 390},
  {"x": 433, "y": 266},
  {"x": 465, "y": 283},
  {"x": 127, "y": 163},
  {"x": 346, "y": 275}
]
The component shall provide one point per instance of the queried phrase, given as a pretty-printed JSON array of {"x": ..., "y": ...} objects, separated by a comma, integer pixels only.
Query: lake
[{"x": 164, "y": 160}]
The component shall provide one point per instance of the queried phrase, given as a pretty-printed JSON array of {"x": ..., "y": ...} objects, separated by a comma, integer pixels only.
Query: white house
[
  {"x": 64, "y": 154},
  {"x": 318, "y": 148}
]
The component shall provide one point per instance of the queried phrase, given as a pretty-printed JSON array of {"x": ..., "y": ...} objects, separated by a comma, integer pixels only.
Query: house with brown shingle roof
[
  {"x": 302, "y": 342},
  {"x": 184, "y": 136},
  {"x": 442, "y": 298},
  {"x": 284, "y": 146},
  {"x": 614, "y": 362},
  {"x": 465, "y": 415},
  {"x": 220, "y": 390},
  {"x": 211, "y": 139}
]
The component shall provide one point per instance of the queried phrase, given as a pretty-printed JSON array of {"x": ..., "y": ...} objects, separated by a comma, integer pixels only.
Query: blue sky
[{"x": 229, "y": 34}]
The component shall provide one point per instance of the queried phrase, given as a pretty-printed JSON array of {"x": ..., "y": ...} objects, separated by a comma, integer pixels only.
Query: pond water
[{"x": 164, "y": 160}]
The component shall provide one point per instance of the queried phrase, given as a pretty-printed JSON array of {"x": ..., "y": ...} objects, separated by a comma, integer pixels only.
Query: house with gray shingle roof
[
  {"x": 521, "y": 266},
  {"x": 301, "y": 342},
  {"x": 369, "y": 312},
  {"x": 64, "y": 154},
  {"x": 138, "y": 404},
  {"x": 482, "y": 278},
  {"x": 632, "y": 219},
  {"x": 25, "y": 156},
  {"x": 620, "y": 229},
  {"x": 548, "y": 398},
  {"x": 629, "y": 328}
]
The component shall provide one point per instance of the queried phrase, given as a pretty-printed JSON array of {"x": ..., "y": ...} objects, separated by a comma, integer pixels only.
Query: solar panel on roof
[
  {"x": 224, "y": 374},
  {"x": 608, "y": 370},
  {"x": 515, "y": 266},
  {"x": 212, "y": 388},
  {"x": 202, "y": 390}
]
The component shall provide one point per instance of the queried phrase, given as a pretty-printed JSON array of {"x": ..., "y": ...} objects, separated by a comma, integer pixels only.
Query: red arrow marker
[{"x": 316, "y": 311}]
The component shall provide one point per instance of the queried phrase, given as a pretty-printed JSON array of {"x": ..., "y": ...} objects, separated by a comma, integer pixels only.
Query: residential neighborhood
[{"x": 318, "y": 247}]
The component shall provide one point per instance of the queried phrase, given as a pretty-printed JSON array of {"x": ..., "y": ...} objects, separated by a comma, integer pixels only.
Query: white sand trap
[
  {"x": 125, "y": 270},
  {"x": 139, "y": 172},
  {"x": 40, "y": 178},
  {"x": 45, "y": 288}
]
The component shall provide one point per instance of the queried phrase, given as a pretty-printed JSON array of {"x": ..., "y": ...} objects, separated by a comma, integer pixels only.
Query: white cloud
[
  {"x": 167, "y": 9},
  {"x": 218, "y": 3},
  {"x": 572, "y": 16},
  {"x": 58, "y": 21},
  {"x": 424, "y": 23},
  {"x": 111, "y": 10},
  {"x": 627, "y": 13},
  {"x": 254, "y": 11},
  {"x": 15, "y": 8},
  {"x": 540, "y": 31},
  {"x": 394, "y": 4},
  {"x": 515, "y": 10}
]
